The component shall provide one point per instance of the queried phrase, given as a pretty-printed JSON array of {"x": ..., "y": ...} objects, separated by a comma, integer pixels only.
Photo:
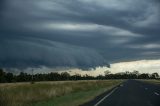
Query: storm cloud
[{"x": 77, "y": 33}]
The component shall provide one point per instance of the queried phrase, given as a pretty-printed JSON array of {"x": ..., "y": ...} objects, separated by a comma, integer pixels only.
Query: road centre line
[{"x": 156, "y": 93}]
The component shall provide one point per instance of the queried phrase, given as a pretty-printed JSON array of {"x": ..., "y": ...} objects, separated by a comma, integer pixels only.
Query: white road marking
[
  {"x": 105, "y": 97},
  {"x": 121, "y": 85},
  {"x": 156, "y": 93}
]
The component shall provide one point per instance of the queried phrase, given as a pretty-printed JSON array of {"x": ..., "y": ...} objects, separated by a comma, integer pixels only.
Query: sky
[{"x": 78, "y": 34}]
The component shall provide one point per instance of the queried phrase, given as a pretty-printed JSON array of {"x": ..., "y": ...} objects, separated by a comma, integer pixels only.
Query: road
[{"x": 130, "y": 93}]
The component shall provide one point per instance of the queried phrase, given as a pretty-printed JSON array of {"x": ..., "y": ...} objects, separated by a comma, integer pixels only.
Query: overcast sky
[{"x": 78, "y": 33}]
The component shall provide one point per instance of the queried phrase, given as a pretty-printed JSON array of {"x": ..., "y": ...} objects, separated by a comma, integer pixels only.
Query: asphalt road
[{"x": 131, "y": 93}]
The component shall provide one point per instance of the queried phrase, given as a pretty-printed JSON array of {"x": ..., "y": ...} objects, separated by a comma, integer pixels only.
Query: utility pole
[
  {"x": 75, "y": 76},
  {"x": 32, "y": 82}
]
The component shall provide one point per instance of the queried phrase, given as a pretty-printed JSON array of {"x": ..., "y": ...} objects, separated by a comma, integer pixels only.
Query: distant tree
[
  {"x": 155, "y": 75},
  {"x": 22, "y": 77},
  {"x": 2, "y": 76},
  {"x": 144, "y": 76},
  {"x": 54, "y": 76},
  {"x": 9, "y": 77},
  {"x": 127, "y": 72},
  {"x": 65, "y": 76},
  {"x": 107, "y": 72},
  {"x": 1, "y": 72},
  {"x": 100, "y": 77},
  {"x": 79, "y": 77},
  {"x": 135, "y": 72},
  {"x": 133, "y": 75}
]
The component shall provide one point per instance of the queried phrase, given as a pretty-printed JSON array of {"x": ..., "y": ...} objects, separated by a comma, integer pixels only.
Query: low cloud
[{"x": 36, "y": 53}]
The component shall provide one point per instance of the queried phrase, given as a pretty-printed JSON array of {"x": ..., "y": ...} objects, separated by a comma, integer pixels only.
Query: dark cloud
[{"x": 77, "y": 33}]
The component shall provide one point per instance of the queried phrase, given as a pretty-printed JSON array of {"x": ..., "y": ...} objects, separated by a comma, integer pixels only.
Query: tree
[
  {"x": 65, "y": 76},
  {"x": 107, "y": 72},
  {"x": 22, "y": 77},
  {"x": 100, "y": 77},
  {"x": 2, "y": 76},
  {"x": 53, "y": 76},
  {"x": 135, "y": 72},
  {"x": 9, "y": 77},
  {"x": 144, "y": 76},
  {"x": 155, "y": 75}
]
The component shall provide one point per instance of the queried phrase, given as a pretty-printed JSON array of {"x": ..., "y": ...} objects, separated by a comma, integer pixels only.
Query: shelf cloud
[{"x": 77, "y": 33}]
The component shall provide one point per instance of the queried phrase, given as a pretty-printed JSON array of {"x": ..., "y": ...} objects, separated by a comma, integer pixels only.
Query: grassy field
[
  {"x": 60, "y": 93},
  {"x": 157, "y": 82}
]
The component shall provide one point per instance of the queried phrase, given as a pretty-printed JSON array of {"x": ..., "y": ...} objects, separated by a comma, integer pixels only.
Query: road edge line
[{"x": 106, "y": 96}]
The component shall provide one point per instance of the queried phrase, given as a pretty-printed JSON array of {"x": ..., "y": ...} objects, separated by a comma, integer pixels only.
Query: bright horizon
[{"x": 143, "y": 66}]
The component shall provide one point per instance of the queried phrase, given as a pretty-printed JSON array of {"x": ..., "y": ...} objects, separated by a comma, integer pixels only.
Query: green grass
[
  {"x": 73, "y": 99},
  {"x": 152, "y": 81},
  {"x": 60, "y": 93}
]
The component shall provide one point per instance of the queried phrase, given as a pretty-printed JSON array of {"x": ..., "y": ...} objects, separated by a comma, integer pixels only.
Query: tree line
[{"x": 8, "y": 77}]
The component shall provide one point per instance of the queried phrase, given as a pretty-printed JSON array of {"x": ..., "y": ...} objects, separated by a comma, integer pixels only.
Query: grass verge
[
  {"x": 70, "y": 93},
  {"x": 152, "y": 81}
]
